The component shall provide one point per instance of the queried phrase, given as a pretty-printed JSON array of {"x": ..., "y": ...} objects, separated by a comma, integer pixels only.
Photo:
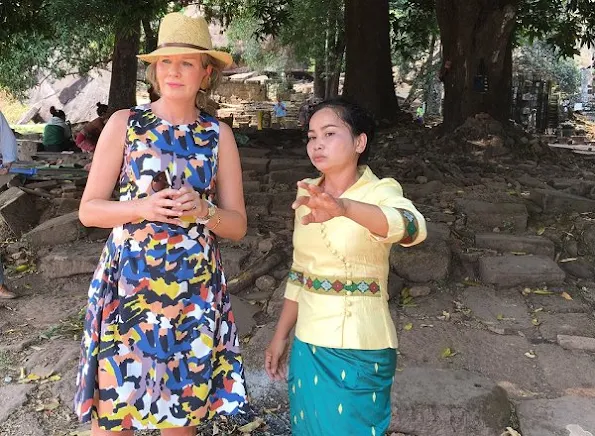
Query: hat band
[{"x": 181, "y": 44}]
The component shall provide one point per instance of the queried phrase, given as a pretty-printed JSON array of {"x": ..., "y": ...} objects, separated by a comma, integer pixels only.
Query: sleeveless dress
[{"x": 160, "y": 347}]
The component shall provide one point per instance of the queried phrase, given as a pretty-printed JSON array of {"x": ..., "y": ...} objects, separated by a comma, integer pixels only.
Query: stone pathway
[{"x": 495, "y": 311}]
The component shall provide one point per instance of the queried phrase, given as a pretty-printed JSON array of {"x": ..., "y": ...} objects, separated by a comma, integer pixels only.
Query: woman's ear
[
  {"x": 361, "y": 142},
  {"x": 206, "y": 81}
]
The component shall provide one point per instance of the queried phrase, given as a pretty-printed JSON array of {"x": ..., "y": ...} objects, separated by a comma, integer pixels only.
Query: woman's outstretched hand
[{"x": 323, "y": 206}]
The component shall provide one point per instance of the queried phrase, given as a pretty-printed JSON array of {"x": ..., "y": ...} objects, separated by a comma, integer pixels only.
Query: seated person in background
[
  {"x": 8, "y": 146},
  {"x": 87, "y": 138},
  {"x": 56, "y": 135}
]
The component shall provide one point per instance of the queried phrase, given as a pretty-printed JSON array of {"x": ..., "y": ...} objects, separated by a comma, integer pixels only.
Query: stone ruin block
[{"x": 18, "y": 213}]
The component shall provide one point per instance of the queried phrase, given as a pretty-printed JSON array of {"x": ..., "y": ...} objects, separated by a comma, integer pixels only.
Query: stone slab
[
  {"x": 243, "y": 313},
  {"x": 511, "y": 243},
  {"x": 253, "y": 152},
  {"x": 291, "y": 164},
  {"x": 233, "y": 260},
  {"x": 289, "y": 177},
  {"x": 503, "y": 310},
  {"x": 17, "y": 213},
  {"x": 567, "y": 372},
  {"x": 552, "y": 417},
  {"x": 13, "y": 396},
  {"x": 499, "y": 357},
  {"x": 576, "y": 342},
  {"x": 428, "y": 261},
  {"x": 71, "y": 260},
  {"x": 60, "y": 230},
  {"x": 485, "y": 216},
  {"x": 552, "y": 201},
  {"x": 510, "y": 270},
  {"x": 555, "y": 303},
  {"x": 434, "y": 402},
  {"x": 261, "y": 388},
  {"x": 257, "y": 164},
  {"x": 574, "y": 324}
]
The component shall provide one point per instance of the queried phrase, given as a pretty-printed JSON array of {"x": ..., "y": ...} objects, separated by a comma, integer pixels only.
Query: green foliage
[
  {"x": 413, "y": 24},
  {"x": 563, "y": 24},
  {"x": 245, "y": 41},
  {"x": 270, "y": 15},
  {"x": 540, "y": 59},
  {"x": 309, "y": 22},
  {"x": 63, "y": 36}
]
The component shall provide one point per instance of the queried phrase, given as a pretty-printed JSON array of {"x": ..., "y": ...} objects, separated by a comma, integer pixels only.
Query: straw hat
[{"x": 180, "y": 34}]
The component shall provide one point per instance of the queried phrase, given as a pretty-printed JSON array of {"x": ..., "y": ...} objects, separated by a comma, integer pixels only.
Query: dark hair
[
  {"x": 356, "y": 117},
  {"x": 101, "y": 108},
  {"x": 58, "y": 113}
]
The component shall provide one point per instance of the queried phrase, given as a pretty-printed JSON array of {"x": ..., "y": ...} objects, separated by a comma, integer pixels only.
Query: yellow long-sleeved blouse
[{"x": 340, "y": 269}]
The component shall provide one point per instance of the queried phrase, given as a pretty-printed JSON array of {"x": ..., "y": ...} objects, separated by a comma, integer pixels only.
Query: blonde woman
[{"x": 160, "y": 348}]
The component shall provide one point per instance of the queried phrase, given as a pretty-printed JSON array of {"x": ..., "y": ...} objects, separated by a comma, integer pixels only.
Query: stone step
[
  {"x": 553, "y": 417},
  {"x": 436, "y": 402},
  {"x": 59, "y": 230},
  {"x": 510, "y": 270},
  {"x": 511, "y": 243},
  {"x": 17, "y": 213},
  {"x": 71, "y": 260},
  {"x": 552, "y": 201},
  {"x": 291, "y": 164},
  {"x": 258, "y": 164},
  {"x": 485, "y": 216}
]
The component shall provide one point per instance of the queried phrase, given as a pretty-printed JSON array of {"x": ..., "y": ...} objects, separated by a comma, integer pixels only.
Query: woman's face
[
  {"x": 331, "y": 145},
  {"x": 180, "y": 76}
]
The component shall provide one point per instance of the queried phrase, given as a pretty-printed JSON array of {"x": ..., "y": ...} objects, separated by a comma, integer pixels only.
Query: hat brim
[{"x": 223, "y": 57}]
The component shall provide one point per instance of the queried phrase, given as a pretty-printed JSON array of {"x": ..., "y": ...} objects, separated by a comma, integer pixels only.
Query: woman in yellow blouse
[{"x": 343, "y": 356}]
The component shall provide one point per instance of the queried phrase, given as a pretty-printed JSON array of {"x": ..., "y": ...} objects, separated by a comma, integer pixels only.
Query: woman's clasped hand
[{"x": 168, "y": 205}]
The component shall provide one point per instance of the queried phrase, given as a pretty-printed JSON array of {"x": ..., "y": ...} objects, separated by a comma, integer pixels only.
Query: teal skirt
[{"x": 340, "y": 392}]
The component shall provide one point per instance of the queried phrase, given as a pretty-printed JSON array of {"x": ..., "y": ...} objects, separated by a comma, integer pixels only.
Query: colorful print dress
[{"x": 160, "y": 347}]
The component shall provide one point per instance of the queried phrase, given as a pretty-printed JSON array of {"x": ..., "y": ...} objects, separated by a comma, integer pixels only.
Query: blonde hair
[{"x": 202, "y": 96}]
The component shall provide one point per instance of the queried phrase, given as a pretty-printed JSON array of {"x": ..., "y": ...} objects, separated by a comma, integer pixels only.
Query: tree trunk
[
  {"x": 150, "y": 36},
  {"x": 368, "y": 71},
  {"x": 476, "y": 38},
  {"x": 338, "y": 54},
  {"x": 319, "y": 85},
  {"x": 122, "y": 92}
]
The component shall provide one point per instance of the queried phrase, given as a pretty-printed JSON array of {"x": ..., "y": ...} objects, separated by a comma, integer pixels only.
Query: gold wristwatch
[{"x": 211, "y": 211}]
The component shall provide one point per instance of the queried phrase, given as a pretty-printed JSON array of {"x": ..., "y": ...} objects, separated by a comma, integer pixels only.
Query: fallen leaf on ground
[
  {"x": 447, "y": 352},
  {"x": 568, "y": 259},
  {"x": 510, "y": 432},
  {"x": 445, "y": 316},
  {"x": 408, "y": 326},
  {"x": 566, "y": 296},
  {"x": 542, "y": 292},
  {"x": 248, "y": 428},
  {"x": 535, "y": 322},
  {"x": 540, "y": 231},
  {"x": 530, "y": 354}
]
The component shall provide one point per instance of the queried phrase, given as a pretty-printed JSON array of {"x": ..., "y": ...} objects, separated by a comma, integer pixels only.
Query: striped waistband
[{"x": 333, "y": 286}]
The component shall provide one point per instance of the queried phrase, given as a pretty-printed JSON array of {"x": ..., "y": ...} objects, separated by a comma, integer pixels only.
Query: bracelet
[{"x": 216, "y": 223}]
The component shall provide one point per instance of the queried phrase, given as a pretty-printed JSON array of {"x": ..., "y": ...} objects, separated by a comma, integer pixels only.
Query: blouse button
[
  {"x": 347, "y": 313},
  {"x": 349, "y": 303},
  {"x": 349, "y": 293},
  {"x": 349, "y": 283}
]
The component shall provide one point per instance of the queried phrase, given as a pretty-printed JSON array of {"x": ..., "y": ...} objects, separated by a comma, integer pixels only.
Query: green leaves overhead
[{"x": 564, "y": 24}]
